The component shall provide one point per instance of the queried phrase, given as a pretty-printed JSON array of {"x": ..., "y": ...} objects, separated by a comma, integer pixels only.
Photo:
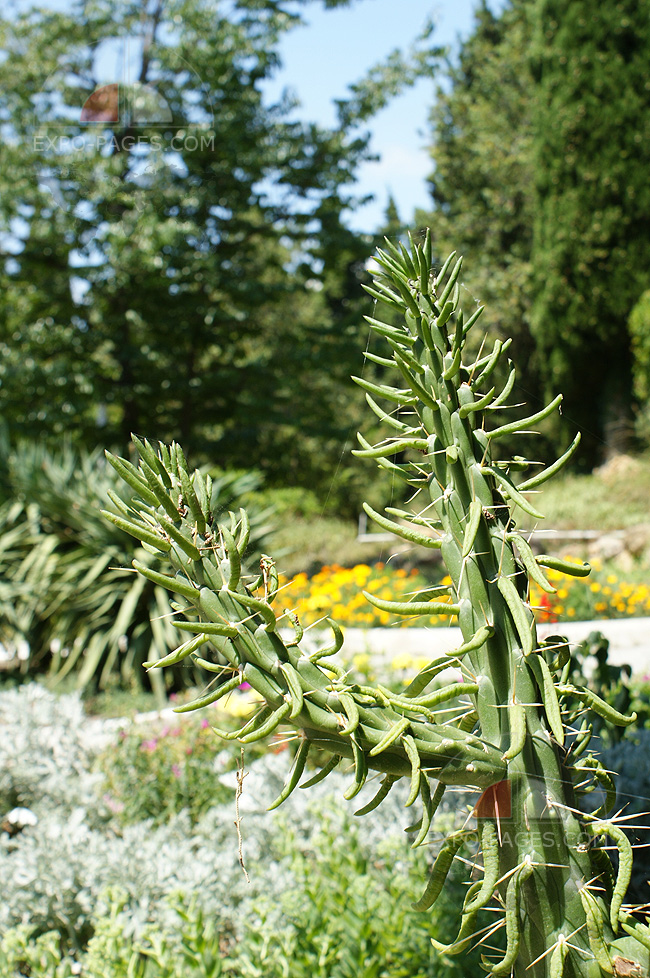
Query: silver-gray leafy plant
[{"x": 516, "y": 736}]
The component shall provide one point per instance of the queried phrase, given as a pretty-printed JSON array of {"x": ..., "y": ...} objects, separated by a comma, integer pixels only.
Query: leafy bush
[
  {"x": 84, "y": 896},
  {"x": 589, "y": 666},
  {"x": 54, "y": 872},
  {"x": 349, "y": 913},
  {"x": 194, "y": 948},
  {"x": 23, "y": 954},
  {"x": 156, "y": 770},
  {"x": 343, "y": 910},
  {"x": 71, "y": 602},
  {"x": 113, "y": 900},
  {"x": 159, "y": 771}
]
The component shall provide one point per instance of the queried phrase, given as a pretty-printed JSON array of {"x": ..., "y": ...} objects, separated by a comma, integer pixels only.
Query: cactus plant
[{"x": 520, "y": 733}]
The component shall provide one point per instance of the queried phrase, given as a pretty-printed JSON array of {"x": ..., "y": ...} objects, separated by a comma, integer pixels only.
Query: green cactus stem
[{"x": 516, "y": 736}]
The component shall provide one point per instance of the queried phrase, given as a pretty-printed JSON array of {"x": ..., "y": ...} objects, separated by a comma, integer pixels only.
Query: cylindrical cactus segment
[
  {"x": 513, "y": 736},
  {"x": 548, "y": 870}
]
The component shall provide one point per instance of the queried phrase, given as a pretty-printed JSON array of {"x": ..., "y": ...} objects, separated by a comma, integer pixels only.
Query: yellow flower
[
  {"x": 361, "y": 661},
  {"x": 403, "y": 661}
]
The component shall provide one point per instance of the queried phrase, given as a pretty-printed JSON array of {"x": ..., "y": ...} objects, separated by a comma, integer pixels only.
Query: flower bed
[
  {"x": 336, "y": 592},
  {"x": 601, "y": 595}
]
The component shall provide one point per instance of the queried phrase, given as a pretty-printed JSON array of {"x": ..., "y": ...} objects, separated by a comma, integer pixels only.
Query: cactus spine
[{"x": 514, "y": 736}]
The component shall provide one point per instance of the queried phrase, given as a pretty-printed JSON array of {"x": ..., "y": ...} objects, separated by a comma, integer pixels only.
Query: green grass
[
  {"x": 611, "y": 498},
  {"x": 306, "y": 544}
]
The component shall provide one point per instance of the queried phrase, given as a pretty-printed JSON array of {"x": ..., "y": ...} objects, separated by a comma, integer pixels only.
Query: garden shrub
[
  {"x": 45, "y": 758},
  {"x": 630, "y": 758},
  {"x": 157, "y": 771}
]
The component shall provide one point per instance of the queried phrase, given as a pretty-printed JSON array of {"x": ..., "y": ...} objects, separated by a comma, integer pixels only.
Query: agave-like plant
[
  {"x": 515, "y": 735},
  {"x": 70, "y": 606}
]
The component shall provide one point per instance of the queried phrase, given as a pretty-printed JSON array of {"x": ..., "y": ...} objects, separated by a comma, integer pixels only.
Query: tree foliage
[
  {"x": 540, "y": 175},
  {"x": 480, "y": 185},
  {"x": 591, "y": 245},
  {"x": 171, "y": 267}
]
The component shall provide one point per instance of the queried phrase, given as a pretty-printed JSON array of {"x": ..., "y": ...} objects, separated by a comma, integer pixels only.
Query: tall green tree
[
  {"x": 540, "y": 176},
  {"x": 480, "y": 185},
  {"x": 591, "y": 252},
  {"x": 169, "y": 237}
]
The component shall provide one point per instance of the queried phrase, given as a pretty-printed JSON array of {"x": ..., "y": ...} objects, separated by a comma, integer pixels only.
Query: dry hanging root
[
  {"x": 514, "y": 729},
  {"x": 241, "y": 774}
]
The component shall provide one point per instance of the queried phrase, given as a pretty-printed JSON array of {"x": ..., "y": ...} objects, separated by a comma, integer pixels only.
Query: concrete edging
[{"x": 629, "y": 640}]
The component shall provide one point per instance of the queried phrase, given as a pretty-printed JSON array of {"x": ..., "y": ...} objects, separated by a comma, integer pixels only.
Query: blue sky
[{"x": 336, "y": 48}]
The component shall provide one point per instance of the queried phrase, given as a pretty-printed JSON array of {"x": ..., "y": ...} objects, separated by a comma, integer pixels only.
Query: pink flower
[
  {"x": 176, "y": 770},
  {"x": 244, "y": 686},
  {"x": 113, "y": 804},
  {"x": 188, "y": 750},
  {"x": 149, "y": 745},
  {"x": 204, "y": 724}
]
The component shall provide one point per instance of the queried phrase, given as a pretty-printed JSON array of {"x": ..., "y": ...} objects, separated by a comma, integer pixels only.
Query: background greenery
[
  {"x": 214, "y": 295},
  {"x": 72, "y": 606}
]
